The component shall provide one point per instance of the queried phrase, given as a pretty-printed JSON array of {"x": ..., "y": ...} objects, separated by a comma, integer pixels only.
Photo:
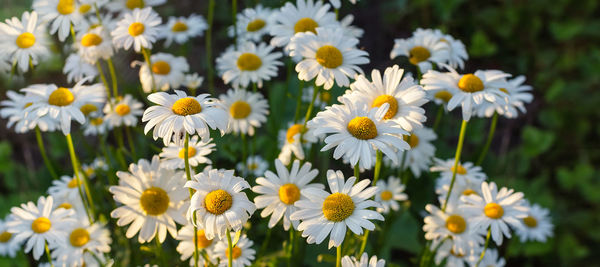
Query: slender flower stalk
[
  {"x": 298, "y": 101},
  {"x": 146, "y": 53},
  {"x": 402, "y": 164},
  {"x": 40, "y": 142},
  {"x": 188, "y": 175},
  {"x": 208, "y": 47},
  {"x": 357, "y": 171},
  {"x": 113, "y": 76},
  {"x": 485, "y": 246},
  {"x": 88, "y": 208},
  {"x": 376, "y": 172},
  {"x": 488, "y": 142},
  {"x": 131, "y": 143},
  {"x": 438, "y": 118},
  {"x": 312, "y": 104},
  {"x": 229, "y": 250},
  {"x": 338, "y": 257},
  {"x": 104, "y": 82},
  {"x": 48, "y": 253},
  {"x": 461, "y": 139}
]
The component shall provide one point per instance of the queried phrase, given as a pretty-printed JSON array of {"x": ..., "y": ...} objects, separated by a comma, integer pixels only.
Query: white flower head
[
  {"x": 364, "y": 261},
  {"x": 81, "y": 241},
  {"x": 249, "y": 63},
  {"x": 78, "y": 69},
  {"x": 139, "y": 29},
  {"x": 167, "y": 72},
  {"x": 24, "y": 40},
  {"x": 389, "y": 193},
  {"x": 422, "y": 49},
  {"x": 186, "y": 245},
  {"x": 61, "y": 15},
  {"x": 124, "y": 111},
  {"x": 253, "y": 23},
  {"x": 517, "y": 95},
  {"x": 538, "y": 224},
  {"x": 254, "y": 165},
  {"x": 247, "y": 110},
  {"x": 242, "y": 253},
  {"x": 173, "y": 155},
  {"x": 8, "y": 246},
  {"x": 94, "y": 44},
  {"x": 453, "y": 224},
  {"x": 294, "y": 140},
  {"x": 14, "y": 109},
  {"x": 421, "y": 153},
  {"x": 182, "y": 29}
]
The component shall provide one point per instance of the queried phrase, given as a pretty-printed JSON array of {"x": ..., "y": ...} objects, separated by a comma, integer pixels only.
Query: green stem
[
  {"x": 113, "y": 76},
  {"x": 254, "y": 89},
  {"x": 244, "y": 149},
  {"x": 298, "y": 101},
  {"x": 40, "y": 142},
  {"x": 89, "y": 208},
  {"x": 48, "y": 253},
  {"x": 131, "y": 143},
  {"x": 104, "y": 82},
  {"x": 461, "y": 139},
  {"x": 265, "y": 243},
  {"x": 338, "y": 257},
  {"x": 229, "y": 250},
  {"x": 146, "y": 54},
  {"x": 290, "y": 247},
  {"x": 357, "y": 171},
  {"x": 425, "y": 255},
  {"x": 208, "y": 47},
  {"x": 378, "y": 161},
  {"x": 312, "y": 104},
  {"x": 488, "y": 142},
  {"x": 402, "y": 164},
  {"x": 159, "y": 252},
  {"x": 487, "y": 242},
  {"x": 188, "y": 176},
  {"x": 438, "y": 118}
]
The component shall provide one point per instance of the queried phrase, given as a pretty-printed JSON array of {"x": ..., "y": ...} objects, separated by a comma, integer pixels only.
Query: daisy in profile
[
  {"x": 60, "y": 14},
  {"x": 167, "y": 72},
  {"x": 246, "y": 110},
  {"x": 77, "y": 69},
  {"x": 517, "y": 95},
  {"x": 466, "y": 170},
  {"x": 347, "y": 206},
  {"x": 179, "y": 113},
  {"x": 422, "y": 50},
  {"x": 186, "y": 245},
  {"x": 192, "y": 81},
  {"x": 8, "y": 246},
  {"x": 255, "y": 165},
  {"x": 496, "y": 209},
  {"x": 219, "y": 203},
  {"x": 65, "y": 189},
  {"x": 294, "y": 140},
  {"x": 364, "y": 261},
  {"x": 468, "y": 180},
  {"x": 421, "y": 153},
  {"x": 453, "y": 224},
  {"x": 173, "y": 156},
  {"x": 242, "y": 253},
  {"x": 13, "y": 110},
  {"x": 327, "y": 55},
  {"x": 278, "y": 192},
  {"x": 95, "y": 126},
  {"x": 82, "y": 241},
  {"x": 130, "y": 5},
  {"x": 403, "y": 96},
  {"x": 24, "y": 40},
  {"x": 253, "y": 23},
  {"x": 321, "y": 101},
  {"x": 357, "y": 131},
  {"x": 124, "y": 111},
  {"x": 538, "y": 225},
  {"x": 153, "y": 199},
  {"x": 389, "y": 193},
  {"x": 37, "y": 224},
  {"x": 249, "y": 63},
  {"x": 492, "y": 258},
  {"x": 94, "y": 44},
  {"x": 99, "y": 164},
  {"x": 457, "y": 52},
  {"x": 139, "y": 28},
  {"x": 182, "y": 29},
  {"x": 454, "y": 258}
]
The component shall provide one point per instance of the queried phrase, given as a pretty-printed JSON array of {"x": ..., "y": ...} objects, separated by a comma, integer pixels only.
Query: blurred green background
[{"x": 552, "y": 153}]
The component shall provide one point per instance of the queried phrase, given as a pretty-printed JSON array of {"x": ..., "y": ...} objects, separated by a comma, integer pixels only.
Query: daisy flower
[
  {"x": 294, "y": 140},
  {"x": 468, "y": 180},
  {"x": 403, "y": 96},
  {"x": 246, "y": 110},
  {"x": 421, "y": 152},
  {"x": 139, "y": 28},
  {"x": 497, "y": 210},
  {"x": 95, "y": 126},
  {"x": 278, "y": 192},
  {"x": 242, "y": 253},
  {"x": 77, "y": 69},
  {"x": 182, "y": 29},
  {"x": 131, "y": 5},
  {"x": 253, "y": 23},
  {"x": 538, "y": 225},
  {"x": 167, "y": 72},
  {"x": 178, "y": 113},
  {"x": 219, "y": 203},
  {"x": 347, "y": 205},
  {"x": 249, "y": 63},
  {"x": 457, "y": 53},
  {"x": 65, "y": 189},
  {"x": 321, "y": 101},
  {"x": 364, "y": 261},
  {"x": 38, "y": 224},
  {"x": 517, "y": 95},
  {"x": 153, "y": 199},
  {"x": 82, "y": 239},
  {"x": 456, "y": 259},
  {"x": 24, "y": 40},
  {"x": 186, "y": 245},
  {"x": 255, "y": 165},
  {"x": 13, "y": 109},
  {"x": 192, "y": 81},
  {"x": 327, "y": 55},
  {"x": 8, "y": 246},
  {"x": 389, "y": 193},
  {"x": 60, "y": 14},
  {"x": 422, "y": 49},
  {"x": 94, "y": 44},
  {"x": 357, "y": 131},
  {"x": 123, "y": 112},
  {"x": 491, "y": 258},
  {"x": 453, "y": 224},
  {"x": 90, "y": 169},
  {"x": 173, "y": 156}
]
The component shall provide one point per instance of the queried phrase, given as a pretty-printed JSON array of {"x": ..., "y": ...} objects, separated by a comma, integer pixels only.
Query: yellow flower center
[
  {"x": 325, "y": 97},
  {"x": 289, "y": 193},
  {"x": 249, "y": 62},
  {"x": 96, "y": 122},
  {"x": 133, "y": 4},
  {"x": 255, "y": 25},
  {"x": 470, "y": 83},
  {"x": 84, "y": 8},
  {"x": 72, "y": 183},
  {"x": 236, "y": 253},
  {"x": 91, "y": 39},
  {"x": 337, "y": 207},
  {"x": 202, "y": 241},
  {"x": 41, "y": 225},
  {"x": 306, "y": 25},
  {"x": 88, "y": 108},
  {"x": 186, "y": 106},
  {"x": 61, "y": 97},
  {"x": 66, "y": 206},
  {"x": 217, "y": 202},
  {"x": 382, "y": 99},
  {"x": 386, "y": 195},
  {"x": 5, "y": 237},
  {"x": 79, "y": 237},
  {"x": 418, "y": 54},
  {"x": 362, "y": 128},
  {"x": 136, "y": 29},
  {"x": 154, "y": 201},
  {"x": 240, "y": 109},
  {"x": 530, "y": 221},
  {"x": 179, "y": 27},
  {"x": 65, "y": 7},
  {"x": 161, "y": 67},
  {"x": 456, "y": 224},
  {"x": 89, "y": 171},
  {"x": 191, "y": 152},
  {"x": 469, "y": 192},
  {"x": 411, "y": 139},
  {"x": 460, "y": 170},
  {"x": 505, "y": 91},
  {"x": 122, "y": 109},
  {"x": 293, "y": 130},
  {"x": 25, "y": 40},
  {"x": 443, "y": 95},
  {"x": 329, "y": 57},
  {"x": 252, "y": 166},
  {"x": 493, "y": 210}
]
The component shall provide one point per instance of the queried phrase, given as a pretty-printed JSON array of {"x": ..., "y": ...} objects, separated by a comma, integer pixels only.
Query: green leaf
[{"x": 536, "y": 141}]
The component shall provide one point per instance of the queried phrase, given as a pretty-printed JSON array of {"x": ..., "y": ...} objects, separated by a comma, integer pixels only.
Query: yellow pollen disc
[
  {"x": 72, "y": 183},
  {"x": 65, "y": 7},
  {"x": 89, "y": 171},
  {"x": 325, "y": 97},
  {"x": 79, "y": 237},
  {"x": 293, "y": 130},
  {"x": 443, "y": 95},
  {"x": 337, "y": 207},
  {"x": 91, "y": 39},
  {"x": 122, "y": 109},
  {"x": 249, "y": 62},
  {"x": 66, "y": 206},
  {"x": 382, "y": 99},
  {"x": 179, "y": 27},
  {"x": 240, "y": 110},
  {"x": 255, "y": 25},
  {"x": 84, "y": 8},
  {"x": 493, "y": 210},
  {"x": 470, "y": 83},
  {"x": 289, "y": 193},
  {"x": 468, "y": 192},
  {"x": 306, "y": 25},
  {"x": 362, "y": 128},
  {"x": 186, "y": 106},
  {"x": 96, "y": 122},
  {"x": 505, "y": 91},
  {"x": 133, "y": 4},
  {"x": 412, "y": 140},
  {"x": 418, "y": 54},
  {"x": 25, "y": 40},
  {"x": 386, "y": 195},
  {"x": 88, "y": 108},
  {"x": 161, "y": 67},
  {"x": 191, "y": 152},
  {"x": 456, "y": 224},
  {"x": 203, "y": 242},
  {"x": 41, "y": 225},
  {"x": 460, "y": 170},
  {"x": 217, "y": 202},
  {"x": 136, "y": 29},
  {"x": 61, "y": 97},
  {"x": 530, "y": 221},
  {"x": 5, "y": 237},
  {"x": 329, "y": 57},
  {"x": 154, "y": 201},
  {"x": 236, "y": 253}
]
